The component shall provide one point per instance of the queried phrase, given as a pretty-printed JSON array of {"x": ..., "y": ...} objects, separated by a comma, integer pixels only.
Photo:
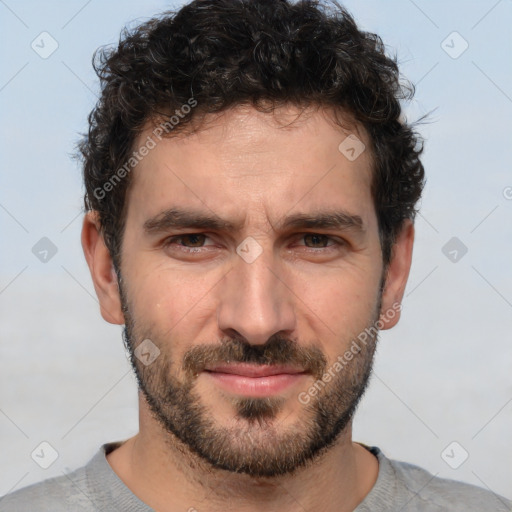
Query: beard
[{"x": 257, "y": 444}]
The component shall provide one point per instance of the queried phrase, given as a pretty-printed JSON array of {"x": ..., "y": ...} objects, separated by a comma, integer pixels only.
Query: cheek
[
  {"x": 337, "y": 307},
  {"x": 167, "y": 302}
]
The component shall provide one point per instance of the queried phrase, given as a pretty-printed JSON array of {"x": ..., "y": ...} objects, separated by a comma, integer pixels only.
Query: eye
[
  {"x": 319, "y": 241},
  {"x": 195, "y": 239},
  {"x": 187, "y": 241}
]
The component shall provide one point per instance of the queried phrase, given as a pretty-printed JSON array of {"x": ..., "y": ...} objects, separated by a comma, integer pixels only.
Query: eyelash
[{"x": 337, "y": 243}]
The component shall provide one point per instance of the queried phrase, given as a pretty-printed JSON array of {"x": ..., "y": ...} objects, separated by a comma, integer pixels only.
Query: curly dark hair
[{"x": 217, "y": 54}]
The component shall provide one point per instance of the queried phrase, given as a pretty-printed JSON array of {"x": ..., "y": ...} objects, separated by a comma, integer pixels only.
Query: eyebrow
[
  {"x": 178, "y": 218},
  {"x": 175, "y": 218},
  {"x": 325, "y": 220}
]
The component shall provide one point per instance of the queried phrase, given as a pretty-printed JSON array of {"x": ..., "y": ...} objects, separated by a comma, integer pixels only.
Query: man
[{"x": 250, "y": 194}]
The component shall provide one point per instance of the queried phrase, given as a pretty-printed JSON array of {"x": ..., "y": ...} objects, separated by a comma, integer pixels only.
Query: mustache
[{"x": 278, "y": 350}]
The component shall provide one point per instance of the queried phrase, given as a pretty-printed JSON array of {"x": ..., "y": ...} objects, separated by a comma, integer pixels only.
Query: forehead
[{"x": 245, "y": 164}]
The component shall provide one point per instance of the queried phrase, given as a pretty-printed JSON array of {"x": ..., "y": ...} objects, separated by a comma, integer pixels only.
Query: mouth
[{"x": 254, "y": 380}]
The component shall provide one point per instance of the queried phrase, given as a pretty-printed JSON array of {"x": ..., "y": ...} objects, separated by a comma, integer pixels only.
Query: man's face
[{"x": 263, "y": 291}]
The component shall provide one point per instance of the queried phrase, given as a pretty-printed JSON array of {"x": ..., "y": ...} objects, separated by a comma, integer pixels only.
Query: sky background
[{"x": 443, "y": 375}]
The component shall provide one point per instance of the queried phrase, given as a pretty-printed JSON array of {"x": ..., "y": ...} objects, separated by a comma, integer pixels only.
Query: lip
[
  {"x": 254, "y": 380},
  {"x": 253, "y": 370}
]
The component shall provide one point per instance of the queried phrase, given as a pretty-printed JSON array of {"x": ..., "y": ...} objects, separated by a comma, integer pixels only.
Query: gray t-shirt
[{"x": 400, "y": 487}]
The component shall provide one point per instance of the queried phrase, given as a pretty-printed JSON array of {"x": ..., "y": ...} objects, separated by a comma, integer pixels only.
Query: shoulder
[
  {"x": 58, "y": 494},
  {"x": 424, "y": 491},
  {"x": 86, "y": 489},
  {"x": 90, "y": 488}
]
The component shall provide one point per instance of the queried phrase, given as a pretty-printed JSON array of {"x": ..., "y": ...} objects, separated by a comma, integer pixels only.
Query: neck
[{"x": 163, "y": 473}]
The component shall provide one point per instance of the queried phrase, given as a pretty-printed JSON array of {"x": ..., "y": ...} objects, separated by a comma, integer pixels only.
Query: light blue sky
[
  {"x": 44, "y": 108},
  {"x": 451, "y": 352}
]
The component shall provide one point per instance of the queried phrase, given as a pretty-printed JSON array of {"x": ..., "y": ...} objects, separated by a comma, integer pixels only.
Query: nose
[{"x": 255, "y": 300}]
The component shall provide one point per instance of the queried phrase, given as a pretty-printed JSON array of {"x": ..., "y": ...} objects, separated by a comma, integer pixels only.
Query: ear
[
  {"x": 396, "y": 276},
  {"x": 102, "y": 269}
]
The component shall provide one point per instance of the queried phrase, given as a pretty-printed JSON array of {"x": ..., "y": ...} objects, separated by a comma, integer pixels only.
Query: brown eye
[
  {"x": 318, "y": 241},
  {"x": 194, "y": 239},
  {"x": 190, "y": 241}
]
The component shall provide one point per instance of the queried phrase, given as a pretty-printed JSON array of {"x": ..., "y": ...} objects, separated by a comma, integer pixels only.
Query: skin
[{"x": 244, "y": 166}]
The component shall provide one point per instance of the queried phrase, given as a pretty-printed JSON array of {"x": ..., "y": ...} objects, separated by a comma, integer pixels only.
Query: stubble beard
[{"x": 257, "y": 444}]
